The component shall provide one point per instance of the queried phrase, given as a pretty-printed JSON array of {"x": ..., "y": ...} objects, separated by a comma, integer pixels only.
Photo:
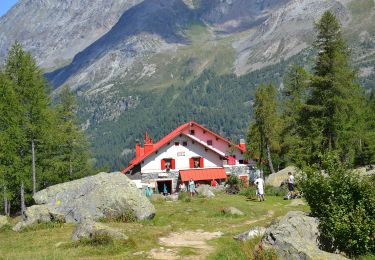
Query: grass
[{"x": 53, "y": 241}]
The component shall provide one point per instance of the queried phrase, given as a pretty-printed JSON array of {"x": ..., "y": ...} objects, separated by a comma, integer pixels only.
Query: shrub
[
  {"x": 276, "y": 191},
  {"x": 234, "y": 184},
  {"x": 345, "y": 205},
  {"x": 249, "y": 192}
]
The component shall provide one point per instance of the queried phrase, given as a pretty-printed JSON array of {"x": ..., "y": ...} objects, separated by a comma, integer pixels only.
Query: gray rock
[
  {"x": 205, "y": 191},
  {"x": 95, "y": 197},
  {"x": 253, "y": 232},
  {"x": 33, "y": 215},
  {"x": 90, "y": 229},
  {"x": 233, "y": 211},
  {"x": 296, "y": 237},
  {"x": 172, "y": 197},
  {"x": 3, "y": 221},
  {"x": 277, "y": 178}
]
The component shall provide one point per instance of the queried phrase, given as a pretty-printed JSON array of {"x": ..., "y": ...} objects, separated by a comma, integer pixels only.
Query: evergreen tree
[
  {"x": 335, "y": 102},
  {"x": 267, "y": 121},
  {"x": 66, "y": 154},
  {"x": 11, "y": 139},
  {"x": 294, "y": 97},
  {"x": 30, "y": 88}
]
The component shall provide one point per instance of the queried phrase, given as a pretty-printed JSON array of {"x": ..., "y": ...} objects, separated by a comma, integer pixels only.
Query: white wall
[
  {"x": 153, "y": 162},
  {"x": 219, "y": 145}
]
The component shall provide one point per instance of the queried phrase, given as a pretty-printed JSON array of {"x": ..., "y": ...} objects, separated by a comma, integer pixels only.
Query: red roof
[
  {"x": 203, "y": 174},
  {"x": 170, "y": 137}
]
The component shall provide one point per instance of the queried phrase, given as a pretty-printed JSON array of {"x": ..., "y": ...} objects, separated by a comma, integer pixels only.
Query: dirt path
[{"x": 196, "y": 240}]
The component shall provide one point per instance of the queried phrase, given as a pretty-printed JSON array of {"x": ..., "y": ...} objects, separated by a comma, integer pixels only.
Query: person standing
[
  {"x": 291, "y": 185},
  {"x": 259, "y": 182},
  {"x": 214, "y": 183},
  {"x": 191, "y": 187}
]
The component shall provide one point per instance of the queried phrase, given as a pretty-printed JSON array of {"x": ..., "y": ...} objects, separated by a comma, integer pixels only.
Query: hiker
[
  {"x": 182, "y": 187},
  {"x": 148, "y": 190},
  {"x": 291, "y": 185},
  {"x": 213, "y": 183},
  {"x": 259, "y": 182},
  {"x": 191, "y": 187}
]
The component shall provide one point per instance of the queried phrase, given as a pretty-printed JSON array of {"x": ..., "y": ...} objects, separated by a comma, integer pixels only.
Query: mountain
[{"x": 152, "y": 64}]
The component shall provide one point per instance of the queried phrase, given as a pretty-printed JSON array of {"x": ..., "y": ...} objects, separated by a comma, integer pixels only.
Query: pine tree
[
  {"x": 335, "y": 102},
  {"x": 68, "y": 148},
  {"x": 31, "y": 91},
  {"x": 11, "y": 140},
  {"x": 266, "y": 121},
  {"x": 294, "y": 97}
]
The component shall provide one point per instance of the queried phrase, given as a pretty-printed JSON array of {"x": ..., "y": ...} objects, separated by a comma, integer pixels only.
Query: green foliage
[
  {"x": 264, "y": 132},
  {"x": 249, "y": 192},
  {"x": 234, "y": 185},
  {"x": 97, "y": 240},
  {"x": 37, "y": 141},
  {"x": 344, "y": 202},
  {"x": 276, "y": 191}
]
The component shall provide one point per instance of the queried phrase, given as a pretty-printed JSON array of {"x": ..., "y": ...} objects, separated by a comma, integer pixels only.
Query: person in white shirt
[
  {"x": 291, "y": 184},
  {"x": 259, "y": 182}
]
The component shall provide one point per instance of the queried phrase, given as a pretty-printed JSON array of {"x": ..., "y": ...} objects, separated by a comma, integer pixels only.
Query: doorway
[{"x": 164, "y": 187}]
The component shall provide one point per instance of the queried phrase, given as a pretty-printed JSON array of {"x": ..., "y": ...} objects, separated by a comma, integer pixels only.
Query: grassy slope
[{"x": 200, "y": 213}]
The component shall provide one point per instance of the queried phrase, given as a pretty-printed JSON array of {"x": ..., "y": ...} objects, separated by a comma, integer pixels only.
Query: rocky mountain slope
[{"x": 132, "y": 63}]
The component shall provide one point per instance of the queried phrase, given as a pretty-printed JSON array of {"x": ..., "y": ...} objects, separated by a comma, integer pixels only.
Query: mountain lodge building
[{"x": 191, "y": 151}]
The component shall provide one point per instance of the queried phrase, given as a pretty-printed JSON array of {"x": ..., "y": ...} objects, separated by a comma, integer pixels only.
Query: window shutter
[
  {"x": 173, "y": 164},
  {"x": 191, "y": 162},
  {"x": 163, "y": 164},
  {"x": 201, "y": 162}
]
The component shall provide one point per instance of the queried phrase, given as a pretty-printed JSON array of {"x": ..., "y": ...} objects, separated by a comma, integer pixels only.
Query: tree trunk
[
  {"x": 70, "y": 168},
  {"x": 33, "y": 165},
  {"x": 269, "y": 157},
  {"x": 5, "y": 202},
  {"x": 23, "y": 207}
]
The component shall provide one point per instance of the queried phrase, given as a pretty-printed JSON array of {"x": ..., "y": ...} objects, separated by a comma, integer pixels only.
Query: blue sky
[{"x": 5, "y": 5}]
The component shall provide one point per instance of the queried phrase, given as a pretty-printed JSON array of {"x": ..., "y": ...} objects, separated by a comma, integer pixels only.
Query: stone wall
[{"x": 237, "y": 170}]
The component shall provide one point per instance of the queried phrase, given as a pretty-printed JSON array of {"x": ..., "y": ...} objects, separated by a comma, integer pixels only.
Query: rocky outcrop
[
  {"x": 253, "y": 232},
  {"x": 34, "y": 215},
  {"x": 3, "y": 221},
  {"x": 205, "y": 191},
  {"x": 105, "y": 195},
  {"x": 90, "y": 230},
  {"x": 233, "y": 211},
  {"x": 95, "y": 197},
  {"x": 277, "y": 178},
  {"x": 296, "y": 237}
]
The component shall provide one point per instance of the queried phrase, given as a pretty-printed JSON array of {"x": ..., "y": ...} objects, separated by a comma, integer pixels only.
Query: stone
[
  {"x": 90, "y": 229},
  {"x": 295, "y": 236},
  {"x": 278, "y": 178},
  {"x": 33, "y": 215},
  {"x": 95, "y": 197},
  {"x": 233, "y": 211},
  {"x": 251, "y": 233},
  {"x": 205, "y": 191},
  {"x": 172, "y": 197},
  {"x": 3, "y": 221}
]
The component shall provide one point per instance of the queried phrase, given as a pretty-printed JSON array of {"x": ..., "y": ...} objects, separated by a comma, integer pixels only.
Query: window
[
  {"x": 184, "y": 143},
  {"x": 209, "y": 142},
  {"x": 196, "y": 162},
  {"x": 192, "y": 132},
  {"x": 168, "y": 164},
  {"x": 176, "y": 143}
]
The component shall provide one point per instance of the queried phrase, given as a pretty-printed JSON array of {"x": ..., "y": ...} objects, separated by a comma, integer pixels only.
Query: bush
[
  {"x": 234, "y": 184},
  {"x": 249, "y": 192},
  {"x": 345, "y": 205},
  {"x": 276, "y": 191}
]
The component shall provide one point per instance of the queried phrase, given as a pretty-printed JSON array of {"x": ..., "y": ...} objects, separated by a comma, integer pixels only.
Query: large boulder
[
  {"x": 296, "y": 237},
  {"x": 95, "y": 197},
  {"x": 205, "y": 191},
  {"x": 91, "y": 230},
  {"x": 34, "y": 215},
  {"x": 250, "y": 234},
  {"x": 233, "y": 211},
  {"x": 277, "y": 178},
  {"x": 3, "y": 221}
]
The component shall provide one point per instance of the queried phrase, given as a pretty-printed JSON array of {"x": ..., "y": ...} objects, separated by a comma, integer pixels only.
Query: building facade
[{"x": 191, "y": 151}]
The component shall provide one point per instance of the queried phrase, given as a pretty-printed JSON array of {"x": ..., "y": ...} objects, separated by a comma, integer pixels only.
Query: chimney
[
  {"x": 137, "y": 150},
  {"x": 242, "y": 144},
  {"x": 148, "y": 144}
]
